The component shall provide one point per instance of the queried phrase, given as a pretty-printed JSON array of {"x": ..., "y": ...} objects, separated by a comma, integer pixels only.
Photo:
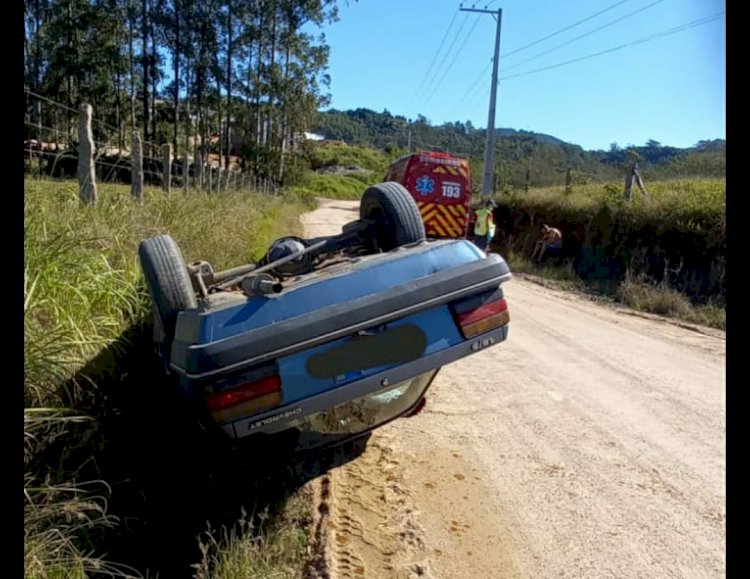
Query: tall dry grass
[{"x": 82, "y": 289}]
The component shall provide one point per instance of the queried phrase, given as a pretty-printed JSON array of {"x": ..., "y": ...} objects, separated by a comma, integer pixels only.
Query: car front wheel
[{"x": 168, "y": 283}]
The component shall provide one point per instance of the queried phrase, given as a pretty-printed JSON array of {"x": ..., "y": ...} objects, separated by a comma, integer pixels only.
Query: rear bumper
[
  {"x": 210, "y": 360},
  {"x": 284, "y": 417}
]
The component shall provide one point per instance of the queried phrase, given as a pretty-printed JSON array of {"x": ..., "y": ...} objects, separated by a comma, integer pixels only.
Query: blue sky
[{"x": 426, "y": 57}]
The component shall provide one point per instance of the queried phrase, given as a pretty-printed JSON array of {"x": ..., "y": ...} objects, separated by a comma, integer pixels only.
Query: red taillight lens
[
  {"x": 245, "y": 399},
  {"x": 484, "y": 318}
]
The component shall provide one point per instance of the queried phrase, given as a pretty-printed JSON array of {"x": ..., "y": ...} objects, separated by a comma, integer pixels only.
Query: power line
[
  {"x": 413, "y": 100},
  {"x": 474, "y": 84},
  {"x": 463, "y": 99},
  {"x": 455, "y": 57},
  {"x": 434, "y": 59},
  {"x": 656, "y": 36},
  {"x": 617, "y": 20},
  {"x": 458, "y": 33},
  {"x": 615, "y": 5}
]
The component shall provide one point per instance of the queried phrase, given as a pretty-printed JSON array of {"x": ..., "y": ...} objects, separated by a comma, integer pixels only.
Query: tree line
[
  {"x": 522, "y": 158},
  {"x": 250, "y": 72}
]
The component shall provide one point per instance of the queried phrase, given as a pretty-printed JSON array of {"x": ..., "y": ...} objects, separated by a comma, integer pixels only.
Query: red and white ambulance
[{"x": 441, "y": 185}]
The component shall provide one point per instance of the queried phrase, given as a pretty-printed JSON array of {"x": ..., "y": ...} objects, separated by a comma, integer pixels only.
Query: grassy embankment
[
  {"x": 365, "y": 167},
  {"x": 664, "y": 253},
  {"x": 102, "y": 479}
]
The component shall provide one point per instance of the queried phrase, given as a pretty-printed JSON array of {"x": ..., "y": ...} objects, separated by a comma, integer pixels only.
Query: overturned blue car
[{"x": 326, "y": 338}]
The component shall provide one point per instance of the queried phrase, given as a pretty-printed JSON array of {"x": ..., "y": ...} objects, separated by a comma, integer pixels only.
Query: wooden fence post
[
  {"x": 185, "y": 172},
  {"x": 629, "y": 183},
  {"x": 86, "y": 175},
  {"x": 633, "y": 175},
  {"x": 166, "y": 151},
  {"x": 638, "y": 180},
  {"x": 36, "y": 119},
  {"x": 200, "y": 170},
  {"x": 136, "y": 167}
]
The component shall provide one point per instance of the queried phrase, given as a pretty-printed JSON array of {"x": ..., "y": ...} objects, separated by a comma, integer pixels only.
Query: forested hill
[{"x": 545, "y": 156}]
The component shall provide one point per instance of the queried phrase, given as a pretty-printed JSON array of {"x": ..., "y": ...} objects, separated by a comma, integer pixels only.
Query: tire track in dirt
[
  {"x": 364, "y": 523},
  {"x": 374, "y": 531}
]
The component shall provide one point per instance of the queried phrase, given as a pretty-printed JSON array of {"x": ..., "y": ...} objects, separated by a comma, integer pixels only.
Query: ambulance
[{"x": 441, "y": 185}]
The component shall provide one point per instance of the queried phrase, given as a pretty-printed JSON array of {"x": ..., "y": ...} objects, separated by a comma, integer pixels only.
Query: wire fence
[{"x": 57, "y": 140}]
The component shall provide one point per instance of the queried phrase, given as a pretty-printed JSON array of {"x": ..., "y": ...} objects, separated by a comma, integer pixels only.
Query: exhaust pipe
[{"x": 260, "y": 284}]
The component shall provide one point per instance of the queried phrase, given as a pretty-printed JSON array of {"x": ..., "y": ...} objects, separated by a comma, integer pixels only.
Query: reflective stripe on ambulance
[{"x": 443, "y": 220}]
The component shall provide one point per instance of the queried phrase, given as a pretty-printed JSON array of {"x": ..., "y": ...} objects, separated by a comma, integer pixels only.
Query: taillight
[
  {"x": 482, "y": 314},
  {"x": 245, "y": 399}
]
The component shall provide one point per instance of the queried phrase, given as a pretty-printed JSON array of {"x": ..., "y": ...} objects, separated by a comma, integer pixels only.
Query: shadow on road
[{"x": 170, "y": 479}]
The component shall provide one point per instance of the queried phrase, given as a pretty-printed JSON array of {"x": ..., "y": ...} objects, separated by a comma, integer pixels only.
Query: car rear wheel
[
  {"x": 396, "y": 215},
  {"x": 168, "y": 283}
]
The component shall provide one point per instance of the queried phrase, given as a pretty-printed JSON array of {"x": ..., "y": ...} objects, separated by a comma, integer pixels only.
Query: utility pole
[{"x": 490, "y": 144}]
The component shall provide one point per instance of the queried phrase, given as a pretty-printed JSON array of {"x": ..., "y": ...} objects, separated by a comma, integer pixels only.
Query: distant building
[{"x": 313, "y": 136}]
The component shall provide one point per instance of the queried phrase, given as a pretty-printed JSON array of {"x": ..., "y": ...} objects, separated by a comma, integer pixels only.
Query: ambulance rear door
[{"x": 441, "y": 186}]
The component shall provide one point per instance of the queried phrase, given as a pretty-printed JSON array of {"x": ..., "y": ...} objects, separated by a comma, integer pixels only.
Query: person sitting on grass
[{"x": 550, "y": 238}]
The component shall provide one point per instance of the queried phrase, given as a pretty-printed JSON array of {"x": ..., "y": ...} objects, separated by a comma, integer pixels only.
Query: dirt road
[{"x": 590, "y": 444}]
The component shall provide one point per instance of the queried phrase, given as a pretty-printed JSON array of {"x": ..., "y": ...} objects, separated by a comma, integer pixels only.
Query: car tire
[
  {"x": 397, "y": 217},
  {"x": 168, "y": 283}
]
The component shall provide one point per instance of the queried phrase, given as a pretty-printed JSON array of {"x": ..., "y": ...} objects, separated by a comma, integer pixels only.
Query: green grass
[
  {"x": 326, "y": 155},
  {"x": 676, "y": 232},
  {"x": 82, "y": 290},
  {"x": 658, "y": 299},
  {"x": 674, "y": 195},
  {"x": 275, "y": 550},
  {"x": 371, "y": 164},
  {"x": 349, "y": 186},
  {"x": 691, "y": 207},
  {"x": 520, "y": 264},
  {"x": 81, "y": 275}
]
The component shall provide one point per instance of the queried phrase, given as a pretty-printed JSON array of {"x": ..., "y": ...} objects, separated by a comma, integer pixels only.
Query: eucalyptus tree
[{"x": 73, "y": 53}]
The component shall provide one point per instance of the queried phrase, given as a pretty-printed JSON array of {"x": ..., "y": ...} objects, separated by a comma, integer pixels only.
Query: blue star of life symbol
[{"x": 425, "y": 185}]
